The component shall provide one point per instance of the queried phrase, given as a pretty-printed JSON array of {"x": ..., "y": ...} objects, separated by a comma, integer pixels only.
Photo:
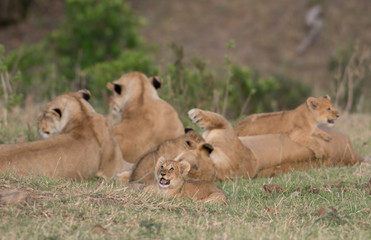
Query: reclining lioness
[
  {"x": 300, "y": 124},
  {"x": 146, "y": 119},
  {"x": 86, "y": 146},
  {"x": 265, "y": 155}
]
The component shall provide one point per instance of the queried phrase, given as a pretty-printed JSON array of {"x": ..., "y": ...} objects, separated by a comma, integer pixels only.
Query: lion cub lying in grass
[
  {"x": 170, "y": 182},
  {"x": 301, "y": 124}
]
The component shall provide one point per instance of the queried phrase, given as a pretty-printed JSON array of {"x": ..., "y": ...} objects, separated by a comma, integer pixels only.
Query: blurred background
[{"x": 233, "y": 57}]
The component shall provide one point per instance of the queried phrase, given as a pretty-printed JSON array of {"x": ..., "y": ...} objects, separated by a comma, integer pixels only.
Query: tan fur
[
  {"x": 146, "y": 120},
  {"x": 265, "y": 155},
  {"x": 299, "y": 124},
  {"x": 278, "y": 154},
  {"x": 86, "y": 146},
  {"x": 189, "y": 147},
  {"x": 170, "y": 182},
  {"x": 230, "y": 157}
]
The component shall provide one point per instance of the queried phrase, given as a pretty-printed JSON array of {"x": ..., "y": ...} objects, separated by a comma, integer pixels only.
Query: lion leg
[
  {"x": 309, "y": 142},
  {"x": 216, "y": 197},
  {"x": 207, "y": 120},
  {"x": 124, "y": 176},
  {"x": 322, "y": 134}
]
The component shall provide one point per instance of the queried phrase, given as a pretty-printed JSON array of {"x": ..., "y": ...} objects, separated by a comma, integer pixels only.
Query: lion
[
  {"x": 190, "y": 147},
  {"x": 266, "y": 155},
  {"x": 85, "y": 147},
  {"x": 170, "y": 182},
  {"x": 146, "y": 119},
  {"x": 300, "y": 124}
]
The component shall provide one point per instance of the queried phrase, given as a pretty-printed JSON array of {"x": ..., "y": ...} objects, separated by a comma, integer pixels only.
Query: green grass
[{"x": 98, "y": 209}]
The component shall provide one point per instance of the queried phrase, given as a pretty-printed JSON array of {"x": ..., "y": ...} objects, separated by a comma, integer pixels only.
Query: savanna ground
[{"x": 333, "y": 203}]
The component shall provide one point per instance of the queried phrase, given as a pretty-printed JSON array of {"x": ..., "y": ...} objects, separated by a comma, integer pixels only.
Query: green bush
[
  {"x": 94, "y": 31},
  {"x": 99, "y": 74},
  {"x": 9, "y": 83},
  {"x": 249, "y": 93}
]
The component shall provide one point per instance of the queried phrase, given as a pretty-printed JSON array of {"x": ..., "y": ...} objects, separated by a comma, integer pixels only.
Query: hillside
[{"x": 266, "y": 33}]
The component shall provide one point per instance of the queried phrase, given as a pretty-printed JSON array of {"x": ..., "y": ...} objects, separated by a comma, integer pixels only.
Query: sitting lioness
[
  {"x": 146, "y": 120},
  {"x": 86, "y": 146},
  {"x": 265, "y": 155},
  {"x": 170, "y": 182},
  {"x": 300, "y": 124}
]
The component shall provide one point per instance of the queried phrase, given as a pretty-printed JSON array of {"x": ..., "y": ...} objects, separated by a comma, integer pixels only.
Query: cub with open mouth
[{"x": 170, "y": 182}]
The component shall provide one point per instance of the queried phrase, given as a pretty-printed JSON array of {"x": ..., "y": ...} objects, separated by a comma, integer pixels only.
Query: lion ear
[
  {"x": 156, "y": 82},
  {"x": 207, "y": 147},
  {"x": 188, "y": 129},
  {"x": 85, "y": 94},
  {"x": 184, "y": 167},
  {"x": 114, "y": 87},
  {"x": 312, "y": 103},
  {"x": 160, "y": 161},
  {"x": 327, "y": 96},
  {"x": 110, "y": 86}
]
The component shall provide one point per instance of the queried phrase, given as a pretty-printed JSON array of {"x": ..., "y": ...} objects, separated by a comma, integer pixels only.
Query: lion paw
[
  {"x": 319, "y": 153},
  {"x": 326, "y": 137},
  {"x": 196, "y": 116}
]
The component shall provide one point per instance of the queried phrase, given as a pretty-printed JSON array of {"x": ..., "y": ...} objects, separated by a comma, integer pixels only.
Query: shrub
[
  {"x": 99, "y": 74},
  {"x": 95, "y": 31}
]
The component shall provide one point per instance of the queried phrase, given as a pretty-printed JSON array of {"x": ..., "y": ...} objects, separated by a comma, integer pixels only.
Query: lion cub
[
  {"x": 170, "y": 182},
  {"x": 301, "y": 124}
]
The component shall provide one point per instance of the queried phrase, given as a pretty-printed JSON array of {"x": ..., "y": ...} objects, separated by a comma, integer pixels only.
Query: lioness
[
  {"x": 146, "y": 120},
  {"x": 170, "y": 182},
  {"x": 265, "y": 155},
  {"x": 300, "y": 124},
  {"x": 86, "y": 146}
]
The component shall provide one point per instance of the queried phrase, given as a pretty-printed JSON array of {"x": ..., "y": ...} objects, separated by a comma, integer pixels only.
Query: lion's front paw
[
  {"x": 326, "y": 137},
  {"x": 319, "y": 153},
  {"x": 195, "y": 115}
]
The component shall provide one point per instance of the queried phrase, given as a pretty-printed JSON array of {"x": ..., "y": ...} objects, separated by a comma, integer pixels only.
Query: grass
[
  {"x": 329, "y": 203},
  {"x": 333, "y": 203}
]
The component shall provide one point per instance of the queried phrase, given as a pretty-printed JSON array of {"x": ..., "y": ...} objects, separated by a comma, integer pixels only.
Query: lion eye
[
  {"x": 171, "y": 169},
  {"x": 329, "y": 109},
  {"x": 162, "y": 167}
]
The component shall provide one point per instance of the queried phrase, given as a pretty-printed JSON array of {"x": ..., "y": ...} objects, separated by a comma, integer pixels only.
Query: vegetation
[
  {"x": 317, "y": 204},
  {"x": 91, "y": 48}
]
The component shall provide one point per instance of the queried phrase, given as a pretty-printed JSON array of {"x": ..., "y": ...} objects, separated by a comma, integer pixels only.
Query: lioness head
[
  {"x": 202, "y": 167},
  {"x": 323, "y": 110},
  {"x": 59, "y": 111},
  {"x": 132, "y": 86},
  {"x": 170, "y": 174}
]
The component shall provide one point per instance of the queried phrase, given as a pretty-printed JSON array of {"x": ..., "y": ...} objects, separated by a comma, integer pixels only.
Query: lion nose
[
  {"x": 163, "y": 174},
  {"x": 47, "y": 132},
  {"x": 337, "y": 115}
]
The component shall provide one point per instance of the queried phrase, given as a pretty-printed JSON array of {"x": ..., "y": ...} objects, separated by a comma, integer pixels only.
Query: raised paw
[{"x": 195, "y": 115}]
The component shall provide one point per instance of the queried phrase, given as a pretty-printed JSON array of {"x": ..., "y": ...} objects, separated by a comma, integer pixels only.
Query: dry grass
[
  {"x": 317, "y": 204},
  {"x": 332, "y": 203}
]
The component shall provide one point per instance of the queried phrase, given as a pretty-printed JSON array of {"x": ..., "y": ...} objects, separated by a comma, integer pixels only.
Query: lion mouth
[
  {"x": 164, "y": 181},
  {"x": 331, "y": 121}
]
